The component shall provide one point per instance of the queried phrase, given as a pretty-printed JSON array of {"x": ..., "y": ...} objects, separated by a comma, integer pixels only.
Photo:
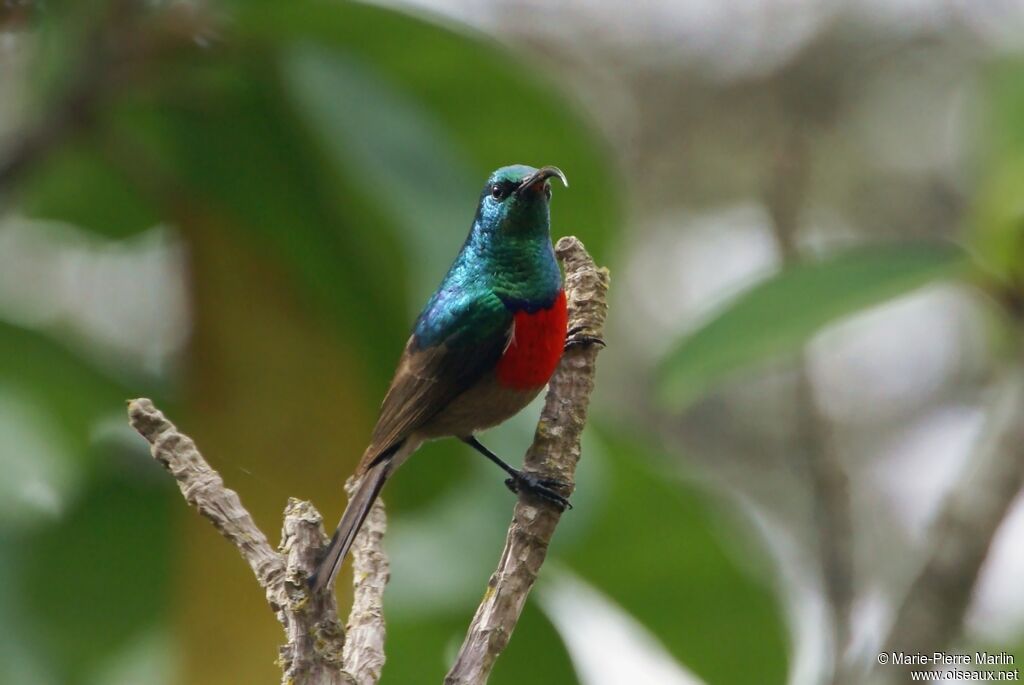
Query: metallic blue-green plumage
[
  {"x": 505, "y": 265},
  {"x": 447, "y": 380}
]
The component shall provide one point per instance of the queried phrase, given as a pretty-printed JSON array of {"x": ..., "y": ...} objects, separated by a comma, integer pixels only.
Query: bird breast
[{"x": 535, "y": 346}]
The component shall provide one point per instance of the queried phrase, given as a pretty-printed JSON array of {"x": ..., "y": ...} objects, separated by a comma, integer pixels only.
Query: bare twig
[
  {"x": 933, "y": 610},
  {"x": 554, "y": 454},
  {"x": 824, "y": 469},
  {"x": 204, "y": 490},
  {"x": 364, "y": 648},
  {"x": 315, "y": 651}
]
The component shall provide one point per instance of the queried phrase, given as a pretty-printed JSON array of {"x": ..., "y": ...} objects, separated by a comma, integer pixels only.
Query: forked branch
[{"x": 317, "y": 650}]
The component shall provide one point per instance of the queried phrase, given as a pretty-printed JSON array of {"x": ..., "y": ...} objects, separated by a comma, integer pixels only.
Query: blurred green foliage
[
  {"x": 653, "y": 547},
  {"x": 93, "y": 578},
  {"x": 997, "y": 224},
  {"x": 71, "y": 389},
  {"x": 79, "y": 186},
  {"x": 778, "y": 315},
  {"x": 336, "y": 149},
  {"x": 320, "y": 163}
]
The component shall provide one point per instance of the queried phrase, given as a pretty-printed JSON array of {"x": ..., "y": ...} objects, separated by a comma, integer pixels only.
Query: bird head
[{"x": 515, "y": 200}]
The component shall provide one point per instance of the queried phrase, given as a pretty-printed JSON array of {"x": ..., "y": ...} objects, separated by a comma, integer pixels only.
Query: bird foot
[
  {"x": 541, "y": 487},
  {"x": 577, "y": 337}
]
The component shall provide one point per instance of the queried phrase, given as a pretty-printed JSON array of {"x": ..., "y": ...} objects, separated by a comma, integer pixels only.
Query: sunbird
[{"x": 486, "y": 343}]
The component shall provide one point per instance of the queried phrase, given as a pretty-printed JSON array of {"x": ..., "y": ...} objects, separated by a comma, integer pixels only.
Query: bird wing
[{"x": 443, "y": 358}]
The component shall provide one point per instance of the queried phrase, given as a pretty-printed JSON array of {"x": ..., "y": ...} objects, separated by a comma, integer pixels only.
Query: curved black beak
[{"x": 541, "y": 175}]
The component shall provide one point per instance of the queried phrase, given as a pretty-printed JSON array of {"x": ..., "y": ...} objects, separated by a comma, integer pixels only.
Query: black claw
[
  {"x": 541, "y": 487},
  {"x": 576, "y": 337},
  {"x": 524, "y": 482}
]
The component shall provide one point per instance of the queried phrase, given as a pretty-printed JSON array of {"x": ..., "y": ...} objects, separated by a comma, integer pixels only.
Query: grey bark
[
  {"x": 317, "y": 650},
  {"x": 554, "y": 454}
]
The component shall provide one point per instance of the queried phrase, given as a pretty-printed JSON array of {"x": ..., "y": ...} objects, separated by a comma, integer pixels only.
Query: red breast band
[{"x": 536, "y": 346}]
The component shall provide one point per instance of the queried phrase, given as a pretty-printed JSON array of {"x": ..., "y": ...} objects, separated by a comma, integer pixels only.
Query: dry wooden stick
[
  {"x": 554, "y": 454},
  {"x": 364, "y": 646},
  {"x": 316, "y": 651}
]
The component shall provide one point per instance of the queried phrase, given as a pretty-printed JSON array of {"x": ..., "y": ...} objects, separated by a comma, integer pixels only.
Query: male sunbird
[{"x": 483, "y": 347}]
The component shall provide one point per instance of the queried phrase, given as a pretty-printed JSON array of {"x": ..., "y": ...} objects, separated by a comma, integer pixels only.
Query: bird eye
[
  {"x": 497, "y": 192},
  {"x": 547, "y": 191}
]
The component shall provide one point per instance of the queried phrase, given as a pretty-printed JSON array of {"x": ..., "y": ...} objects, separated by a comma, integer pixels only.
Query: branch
[
  {"x": 933, "y": 610},
  {"x": 554, "y": 454},
  {"x": 364, "y": 649},
  {"x": 315, "y": 651},
  {"x": 823, "y": 467}
]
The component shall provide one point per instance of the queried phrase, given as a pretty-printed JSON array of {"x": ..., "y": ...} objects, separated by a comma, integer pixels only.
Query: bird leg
[
  {"x": 576, "y": 336},
  {"x": 520, "y": 481}
]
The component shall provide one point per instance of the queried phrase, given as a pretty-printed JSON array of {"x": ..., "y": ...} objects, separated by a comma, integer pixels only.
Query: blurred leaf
[
  {"x": 496, "y": 108},
  {"x": 59, "y": 399},
  {"x": 606, "y": 644},
  {"x": 41, "y": 472},
  {"x": 997, "y": 224},
  {"x": 249, "y": 166},
  {"x": 653, "y": 549},
  {"x": 390, "y": 147},
  {"x": 536, "y": 653},
  {"x": 305, "y": 138},
  {"x": 334, "y": 152},
  {"x": 76, "y": 185},
  {"x": 104, "y": 571},
  {"x": 778, "y": 315},
  {"x": 66, "y": 28},
  {"x": 998, "y": 235},
  {"x": 72, "y": 389},
  {"x": 1005, "y": 94},
  {"x": 425, "y": 648}
]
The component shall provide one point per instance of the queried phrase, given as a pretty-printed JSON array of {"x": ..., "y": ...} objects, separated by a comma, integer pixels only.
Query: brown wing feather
[{"x": 426, "y": 381}]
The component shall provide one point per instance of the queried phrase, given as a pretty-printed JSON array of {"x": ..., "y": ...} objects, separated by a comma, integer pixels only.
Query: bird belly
[{"x": 482, "y": 406}]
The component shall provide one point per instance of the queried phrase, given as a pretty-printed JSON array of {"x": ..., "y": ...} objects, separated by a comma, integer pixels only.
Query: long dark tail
[{"x": 351, "y": 521}]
